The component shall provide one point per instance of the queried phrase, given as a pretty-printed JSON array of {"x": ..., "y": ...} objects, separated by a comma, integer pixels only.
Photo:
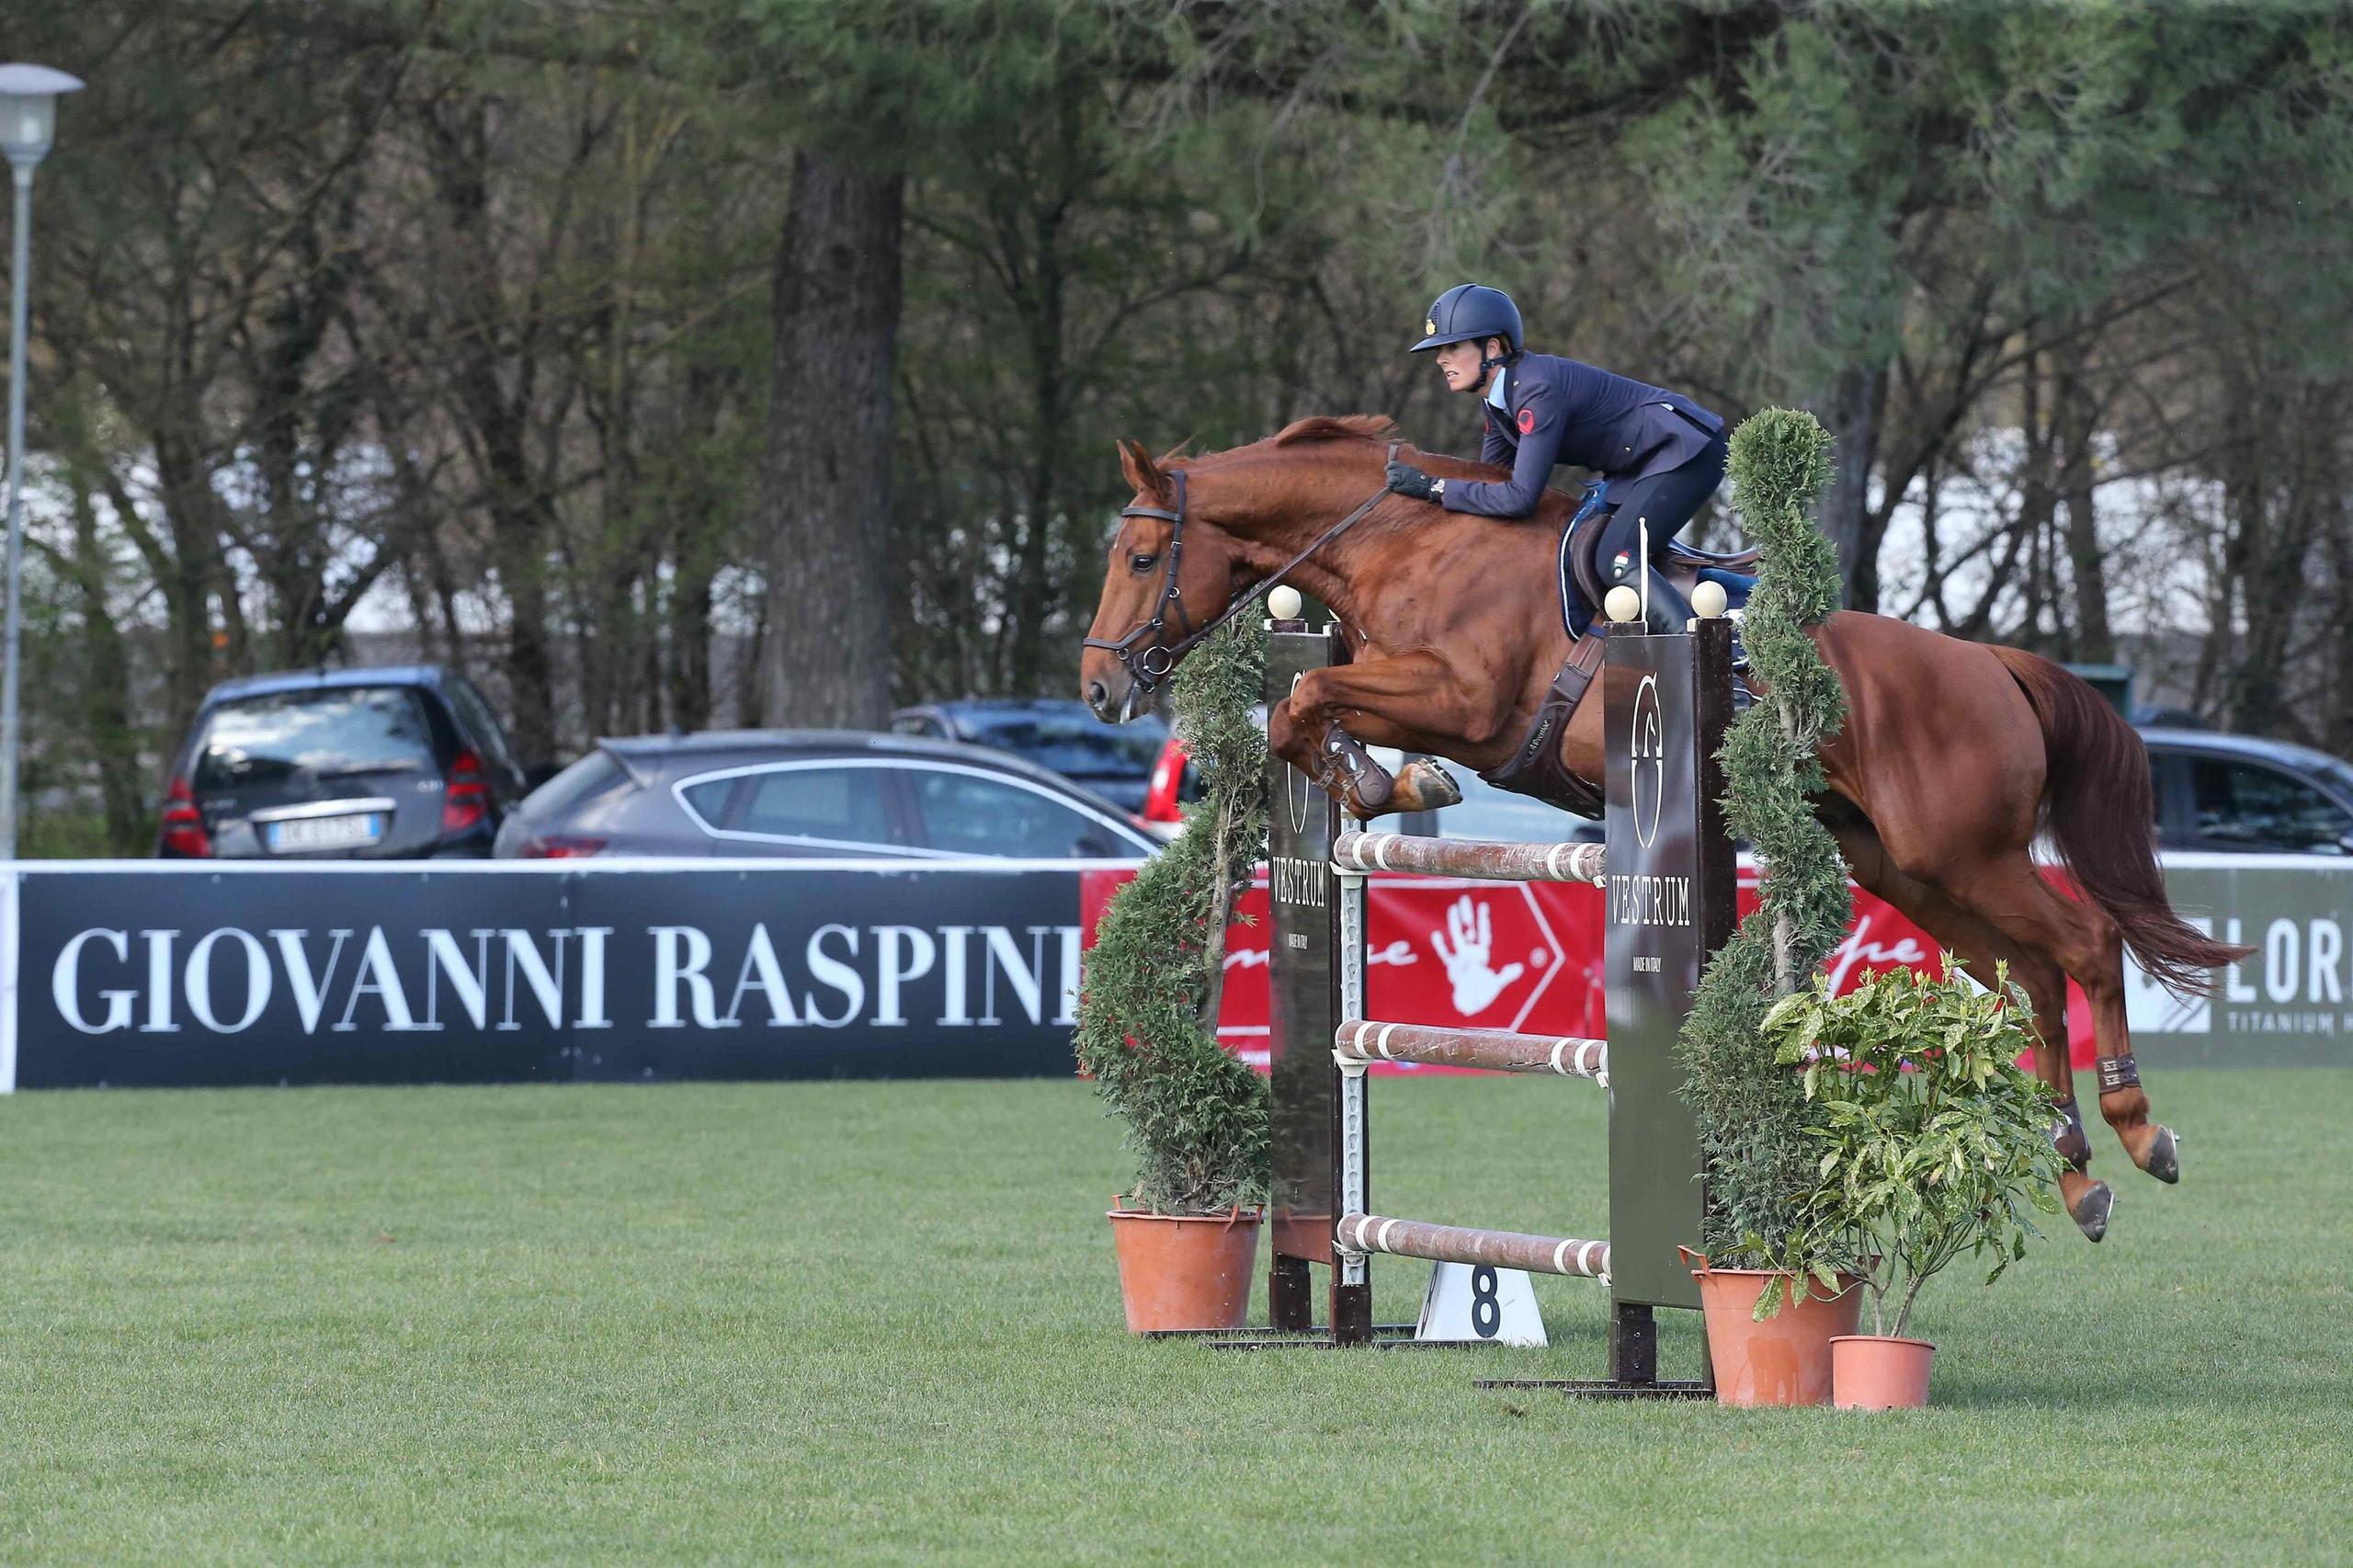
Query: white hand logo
[{"x": 1475, "y": 986}]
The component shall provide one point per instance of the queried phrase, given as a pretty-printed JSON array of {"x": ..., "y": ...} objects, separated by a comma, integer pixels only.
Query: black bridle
[{"x": 1146, "y": 668}]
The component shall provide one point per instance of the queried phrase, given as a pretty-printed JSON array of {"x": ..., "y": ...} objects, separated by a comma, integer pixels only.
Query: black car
[
  {"x": 814, "y": 793},
  {"x": 370, "y": 763},
  {"x": 1060, "y": 735}
]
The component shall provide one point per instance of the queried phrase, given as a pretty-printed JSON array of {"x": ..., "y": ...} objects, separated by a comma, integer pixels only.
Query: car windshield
[
  {"x": 322, "y": 734},
  {"x": 1074, "y": 742},
  {"x": 593, "y": 775},
  {"x": 2339, "y": 772}
]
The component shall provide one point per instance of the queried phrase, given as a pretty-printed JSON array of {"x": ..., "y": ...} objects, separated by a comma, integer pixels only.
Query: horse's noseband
[
  {"x": 1158, "y": 658},
  {"x": 1148, "y": 667}
]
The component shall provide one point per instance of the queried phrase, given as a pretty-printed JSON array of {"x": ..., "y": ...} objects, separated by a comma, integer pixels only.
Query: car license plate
[{"x": 326, "y": 832}]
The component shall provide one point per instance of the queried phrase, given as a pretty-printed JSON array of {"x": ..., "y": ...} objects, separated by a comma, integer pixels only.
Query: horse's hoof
[
  {"x": 2164, "y": 1157},
  {"x": 2091, "y": 1212},
  {"x": 1433, "y": 786}
]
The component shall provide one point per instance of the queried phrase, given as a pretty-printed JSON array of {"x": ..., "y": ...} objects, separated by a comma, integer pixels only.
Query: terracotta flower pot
[
  {"x": 1185, "y": 1270},
  {"x": 1784, "y": 1359},
  {"x": 1877, "y": 1371}
]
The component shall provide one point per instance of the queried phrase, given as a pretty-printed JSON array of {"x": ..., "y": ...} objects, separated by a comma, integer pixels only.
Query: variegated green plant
[{"x": 1932, "y": 1140}]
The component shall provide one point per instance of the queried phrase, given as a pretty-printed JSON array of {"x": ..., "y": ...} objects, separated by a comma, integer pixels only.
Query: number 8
[{"x": 1486, "y": 1306}]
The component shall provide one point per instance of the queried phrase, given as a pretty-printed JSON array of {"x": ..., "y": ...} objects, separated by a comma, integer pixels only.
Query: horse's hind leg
[
  {"x": 1980, "y": 945},
  {"x": 2094, "y": 956},
  {"x": 2088, "y": 945}
]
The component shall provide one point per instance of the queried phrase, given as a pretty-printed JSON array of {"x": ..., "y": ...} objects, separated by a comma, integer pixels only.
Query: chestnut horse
[{"x": 1953, "y": 757}]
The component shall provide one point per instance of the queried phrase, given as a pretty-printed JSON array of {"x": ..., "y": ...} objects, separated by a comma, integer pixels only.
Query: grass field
[{"x": 849, "y": 1321}]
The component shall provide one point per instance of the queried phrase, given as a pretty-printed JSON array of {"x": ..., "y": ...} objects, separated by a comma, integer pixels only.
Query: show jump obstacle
[{"x": 1667, "y": 873}]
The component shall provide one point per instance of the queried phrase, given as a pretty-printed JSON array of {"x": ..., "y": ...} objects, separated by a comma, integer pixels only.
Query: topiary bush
[
  {"x": 1197, "y": 1116},
  {"x": 1755, "y": 1120}
]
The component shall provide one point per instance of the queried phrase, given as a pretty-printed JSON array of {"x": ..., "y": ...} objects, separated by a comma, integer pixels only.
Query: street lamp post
[{"x": 28, "y": 95}]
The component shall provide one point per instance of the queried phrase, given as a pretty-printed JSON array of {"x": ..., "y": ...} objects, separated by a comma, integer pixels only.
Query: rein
[{"x": 1148, "y": 667}]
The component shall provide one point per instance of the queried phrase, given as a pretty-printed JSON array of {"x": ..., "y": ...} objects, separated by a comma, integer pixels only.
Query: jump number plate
[{"x": 1479, "y": 1303}]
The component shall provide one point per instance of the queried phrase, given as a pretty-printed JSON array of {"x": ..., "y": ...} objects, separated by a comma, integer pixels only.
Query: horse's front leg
[{"x": 1412, "y": 701}]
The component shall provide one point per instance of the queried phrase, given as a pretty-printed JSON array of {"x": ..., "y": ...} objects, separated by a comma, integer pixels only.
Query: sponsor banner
[
  {"x": 145, "y": 974},
  {"x": 2289, "y": 1003},
  {"x": 1521, "y": 956},
  {"x": 170, "y": 976},
  {"x": 1529, "y": 957}
]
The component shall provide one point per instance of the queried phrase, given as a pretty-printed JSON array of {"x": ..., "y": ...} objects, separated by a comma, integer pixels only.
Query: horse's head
[{"x": 1171, "y": 569}]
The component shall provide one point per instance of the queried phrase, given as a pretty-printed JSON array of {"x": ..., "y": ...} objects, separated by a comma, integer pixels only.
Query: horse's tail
[{"x": 2098, "y": 806}]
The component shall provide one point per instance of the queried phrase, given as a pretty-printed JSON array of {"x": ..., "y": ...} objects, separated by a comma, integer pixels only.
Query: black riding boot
[{"x": 1669, "y": 612}]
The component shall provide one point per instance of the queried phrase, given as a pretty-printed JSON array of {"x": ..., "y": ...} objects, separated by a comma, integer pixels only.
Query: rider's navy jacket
[{"x": 1561, "y": 410}]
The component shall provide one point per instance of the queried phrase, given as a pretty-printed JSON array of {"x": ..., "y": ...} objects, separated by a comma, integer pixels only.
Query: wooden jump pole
[{"x": 1667, "y": 872}]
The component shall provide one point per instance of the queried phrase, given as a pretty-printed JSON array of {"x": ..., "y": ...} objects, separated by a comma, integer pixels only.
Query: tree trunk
[
  {"x": 2075, "y": 411},
  {"x": 2278, "y": 511},
  {"x": 750, "y": 661},
  {"x": 495, "y": 378},
  {"x": 689, "y": 668},
  {"x": 2336, "y": 709},
  {"x": 189, "y": 504},
  {"x": 825, "y": 506},
  {"x": 704, "y": 528},
  {"x": 2038, "y": 505},
  {"x": 1031, "y": 594},
  {"x": 105, "y": 680},
  {"x": 1848, "y": 405}
]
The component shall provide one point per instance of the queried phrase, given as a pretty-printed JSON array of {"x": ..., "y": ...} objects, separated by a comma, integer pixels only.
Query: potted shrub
[
  {"x": 1775, "y": 1296},
  {"x": 1187, "y": 1228},
  {"x": 1933, "y": 1142}
]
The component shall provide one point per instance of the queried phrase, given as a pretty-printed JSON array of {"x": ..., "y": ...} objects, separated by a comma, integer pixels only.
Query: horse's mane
[
  {"x": 1368, "y": 429},
  {"x": 1338, "y": 427}
]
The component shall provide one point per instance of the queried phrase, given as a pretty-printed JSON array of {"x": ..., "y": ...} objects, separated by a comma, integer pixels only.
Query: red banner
[{"x": 1521, "y": 956}]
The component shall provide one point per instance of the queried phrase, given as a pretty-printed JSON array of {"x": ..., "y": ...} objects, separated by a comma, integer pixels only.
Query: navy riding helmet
[{"x": 1472, "y": 311}]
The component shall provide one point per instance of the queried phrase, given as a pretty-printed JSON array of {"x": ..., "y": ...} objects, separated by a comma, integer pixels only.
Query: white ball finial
[
  {"x": 1284, "y": 603},
  {"x": 1621, "y": 603},
  {"x": 1708, "y": 600}
]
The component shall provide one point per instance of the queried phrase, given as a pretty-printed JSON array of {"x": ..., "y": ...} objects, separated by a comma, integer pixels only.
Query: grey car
[
  {"x": 2214, "y": 791},
  {"x": 1060, "y": 733},
  {"x": 366, "y": 764},
  {"x": 2240, "y": 793},
  {"x": 813, "y": 794}
]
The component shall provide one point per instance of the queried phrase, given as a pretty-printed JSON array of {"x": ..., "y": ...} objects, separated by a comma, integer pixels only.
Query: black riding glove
[{"x": 1407, "y": 480}]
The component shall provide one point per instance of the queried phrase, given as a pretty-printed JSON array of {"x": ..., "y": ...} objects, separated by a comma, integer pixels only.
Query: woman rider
[{"x": 1661, "y": 454}]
